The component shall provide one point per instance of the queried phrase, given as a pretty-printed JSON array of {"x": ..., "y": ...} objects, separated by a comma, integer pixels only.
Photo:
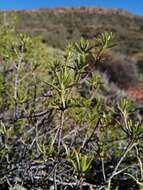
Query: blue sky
[{"x": 134, "y": 6}]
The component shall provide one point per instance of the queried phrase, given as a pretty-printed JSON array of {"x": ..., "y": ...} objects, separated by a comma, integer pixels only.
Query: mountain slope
[{"x": 59, "y": 26}]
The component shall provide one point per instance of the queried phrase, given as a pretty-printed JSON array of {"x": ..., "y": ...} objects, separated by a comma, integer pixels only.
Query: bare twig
[
  {"x": 16, "y": 85},
  {"x": 115, "y": 171},
  {"x": 60, "y": 129}
]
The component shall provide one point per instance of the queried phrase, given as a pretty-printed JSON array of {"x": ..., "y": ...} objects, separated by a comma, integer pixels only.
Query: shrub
[
  {"x": 53, "y": 137},
  {"x": 120, "y": 69}
]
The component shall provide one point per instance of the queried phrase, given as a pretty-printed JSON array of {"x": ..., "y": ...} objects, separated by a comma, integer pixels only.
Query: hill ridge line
[{"x": 88, "y": 10}]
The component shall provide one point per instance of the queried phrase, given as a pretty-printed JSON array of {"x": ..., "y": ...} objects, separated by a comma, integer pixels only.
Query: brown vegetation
[{"x": 136, "y": 92}]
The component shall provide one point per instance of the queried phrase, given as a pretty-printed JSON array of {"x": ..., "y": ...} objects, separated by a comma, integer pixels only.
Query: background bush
[{"x": 120, "y": 69}]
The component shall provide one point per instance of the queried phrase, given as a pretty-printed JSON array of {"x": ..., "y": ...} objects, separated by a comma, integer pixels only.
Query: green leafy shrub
[{"x": 52, "y": 135}]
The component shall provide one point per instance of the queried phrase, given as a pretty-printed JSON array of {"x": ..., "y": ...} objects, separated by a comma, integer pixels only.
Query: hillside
[{"x": 59, "y": 26}]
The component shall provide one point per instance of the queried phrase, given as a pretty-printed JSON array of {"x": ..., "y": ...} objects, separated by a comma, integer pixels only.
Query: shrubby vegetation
[
  {"x": 120, "y": 69},
  {"x": 54, "y": 135},
  {"x": 59, "y": 26}
]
